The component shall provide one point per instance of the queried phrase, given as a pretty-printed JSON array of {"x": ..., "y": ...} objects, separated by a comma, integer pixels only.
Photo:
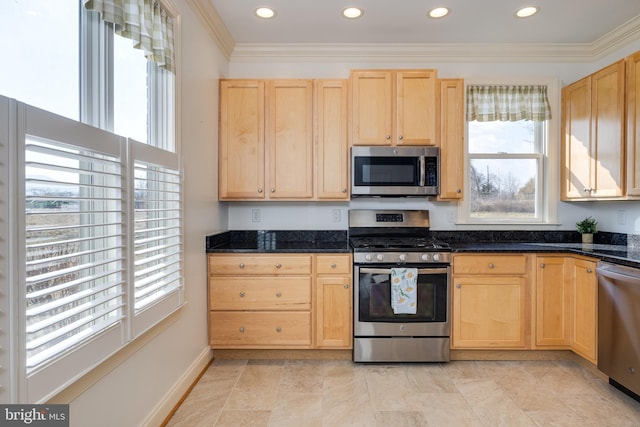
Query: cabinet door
[
  {"x": 585, "y": 310},
  {"x": 633, "y": 125},
  {"x": 553, "y": 302},
  {"x": 576, "y": 140},
  {"x": 372, "y": 107},
  {"x": 607, "y": 130},
  {"x": 241, "y": 145},
  {"x": 332, "y": 160},
  {"x": 333, "y": 312},
  {"x": 489, "y": 312},
  {"x": 290, "y": 139},
  {"x": 416, "y": 109},
  {"x": 451, "y": 139}
]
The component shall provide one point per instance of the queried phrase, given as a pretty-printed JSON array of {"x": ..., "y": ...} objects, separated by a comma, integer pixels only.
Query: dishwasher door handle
[{"x": 617, "y": 275}]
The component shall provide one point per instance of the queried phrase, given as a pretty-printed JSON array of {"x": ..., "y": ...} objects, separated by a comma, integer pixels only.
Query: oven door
[{"x": 374, "y": 315}]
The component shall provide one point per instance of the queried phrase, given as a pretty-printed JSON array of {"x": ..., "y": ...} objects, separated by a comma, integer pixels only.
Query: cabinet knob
[
  {"x": 459, "y": 190},
  {"x": 333, "y": 265},
  {"x": 458, "y": 285},
  {"x": 542, "y": 265},
  {"x": 278, "y": 329},
  {"x": 273, "y": 190},
  {"x": 241, "y": 265},
  {"x": 259, "y": 190},
  {"x": 491, "y": 265},
  {"x": 346, "y": 286},
  {"x": 241, "y": 329},
  {"x": 278, "y": 265},
  {"x": 400, "y": 137},
  {"x": 278, "y": 294},
  {"x": 241, "y": 294},
  {"x": 388, "y": 137},
  {"x": 344, "y": 190},
  {"x": 589, "y": 270}
]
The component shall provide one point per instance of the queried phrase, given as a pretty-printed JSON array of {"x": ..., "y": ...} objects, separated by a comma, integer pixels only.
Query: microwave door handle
[{"x": 422, "y": 171}]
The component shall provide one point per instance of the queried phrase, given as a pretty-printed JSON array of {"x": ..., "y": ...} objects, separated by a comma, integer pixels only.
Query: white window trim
[{"x": 551, "y": 164}]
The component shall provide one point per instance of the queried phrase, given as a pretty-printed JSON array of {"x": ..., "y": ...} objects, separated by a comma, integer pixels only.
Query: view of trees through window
[{"x": 504, "y": 169}]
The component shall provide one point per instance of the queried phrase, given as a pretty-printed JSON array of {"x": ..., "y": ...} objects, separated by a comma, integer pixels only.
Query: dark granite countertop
[
  {"x": 608, "y": 247},
  {"x": 281, "y": 241},
  {"x": 618, "y": 254}
]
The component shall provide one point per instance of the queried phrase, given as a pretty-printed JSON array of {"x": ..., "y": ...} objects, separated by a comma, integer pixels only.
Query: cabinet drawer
[
  {"x": 232, "y": 329},
  {"x": 490, "y": 264},
  {"x": 259, "y": 293},
  {"x": 329, "y": 264},
  {"x": 250, "y": 264}
]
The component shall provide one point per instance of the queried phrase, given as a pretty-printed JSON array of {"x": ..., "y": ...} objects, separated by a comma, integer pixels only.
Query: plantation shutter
[
  {"x": 74, "y": 253},
  {"x": 157, "y": 241}
]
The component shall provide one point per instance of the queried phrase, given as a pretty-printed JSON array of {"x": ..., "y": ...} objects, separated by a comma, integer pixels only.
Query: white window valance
[
  {"x": 143, "y": 21},
  {"x": 486, "y": 103}
]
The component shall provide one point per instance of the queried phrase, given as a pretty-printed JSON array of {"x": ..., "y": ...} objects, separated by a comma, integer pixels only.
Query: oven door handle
[{"x": 420, "y": 270}]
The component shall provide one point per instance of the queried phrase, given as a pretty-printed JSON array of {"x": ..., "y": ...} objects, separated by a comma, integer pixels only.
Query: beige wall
[{"x": 147, "y": 382}]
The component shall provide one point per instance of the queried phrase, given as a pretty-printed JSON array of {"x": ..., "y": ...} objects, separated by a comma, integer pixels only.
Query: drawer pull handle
[
  {"x": 278, "y": 329},
  {"x": 241, "y": 294},
  {"x": 589, "y": 270},
  {"x": 333, "y": 265},
  {"x": 278, "y": 294},
  {"x": 278, "y": 265},
  {"x": 241, "y": 265},
  {"x": 242, "y": 329},
  {"x": 542, "y": 265},
  {"x": 491, "y": 265},
  {"x": 346, "y": 286}
]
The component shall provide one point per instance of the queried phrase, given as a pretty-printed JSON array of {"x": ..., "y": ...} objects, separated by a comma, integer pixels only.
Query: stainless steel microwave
[{"x": 407, "y": 171}]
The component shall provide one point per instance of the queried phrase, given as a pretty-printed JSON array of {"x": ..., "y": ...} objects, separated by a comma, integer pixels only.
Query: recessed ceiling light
[
  {"x": 352, "y": 12},
  {"x": 265, "y": 12},
  {"x": 439, "y": 12},
  {"x": 525, "y": 12}
]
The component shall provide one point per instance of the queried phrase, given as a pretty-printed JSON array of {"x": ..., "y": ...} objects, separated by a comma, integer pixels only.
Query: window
[
  {"x": 39, "y": 43},
  {"x": 93, "y": 257},
  {"x": 505, "y": 170},
  {"x": 510, "y": 175}
]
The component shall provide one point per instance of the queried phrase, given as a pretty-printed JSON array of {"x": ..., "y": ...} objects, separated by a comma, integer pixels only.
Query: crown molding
[
  {"x": 411, "y": 52},
  {"x": 214, "y": 25}
]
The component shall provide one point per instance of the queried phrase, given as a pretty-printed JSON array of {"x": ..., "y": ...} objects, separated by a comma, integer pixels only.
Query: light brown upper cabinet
[
  {"x": 593, "y": 139},
  {"x": 633, "y": 125},
  {"x": 451, "y": 139},
  {"x": 271, "y": 148},
  {"x": 290, "y": 138},
  {"x": 241, "y": 145},
  {"x": 394, "y": 107},
  {"x": 332, "y": 139}
]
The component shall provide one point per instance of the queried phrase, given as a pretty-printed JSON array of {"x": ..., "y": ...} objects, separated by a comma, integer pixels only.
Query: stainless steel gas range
[{"x": 401, "y": 288}]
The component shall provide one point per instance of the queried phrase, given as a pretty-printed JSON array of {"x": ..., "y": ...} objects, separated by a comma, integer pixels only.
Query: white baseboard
[{"x": 175, "y": 393}]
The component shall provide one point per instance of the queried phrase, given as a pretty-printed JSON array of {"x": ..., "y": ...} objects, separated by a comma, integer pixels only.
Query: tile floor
[{"x": 460, "y": 393}]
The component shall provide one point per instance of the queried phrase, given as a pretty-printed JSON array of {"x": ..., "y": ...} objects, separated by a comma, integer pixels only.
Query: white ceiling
[{"x": 405, "y": 21}]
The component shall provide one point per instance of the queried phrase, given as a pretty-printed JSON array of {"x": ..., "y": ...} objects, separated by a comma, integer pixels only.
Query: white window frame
[
  {"x": 548, "y": 165},
  {"x": 18, "y": 120}
]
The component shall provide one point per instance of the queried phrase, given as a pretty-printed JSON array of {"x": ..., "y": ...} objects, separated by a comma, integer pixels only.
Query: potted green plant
[{"x": 587, "y": 227}]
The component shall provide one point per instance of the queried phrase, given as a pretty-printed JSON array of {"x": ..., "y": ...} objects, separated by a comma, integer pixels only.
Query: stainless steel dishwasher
[{"x": 619, "y": 326}]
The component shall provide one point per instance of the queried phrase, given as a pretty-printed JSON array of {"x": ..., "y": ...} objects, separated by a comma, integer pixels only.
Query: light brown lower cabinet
[
  {"x": 567, "y": 304},
  {"x": 277, "y": 301},
  {"x": 490, "y": 301},
  {"x": 585, "y": 310}
]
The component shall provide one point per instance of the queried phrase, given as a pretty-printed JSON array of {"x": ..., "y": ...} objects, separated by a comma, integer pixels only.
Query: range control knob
[
  {"x": 368, "y": 257},
  {"x": 380, "y": 257},
  {"x": 402, "y": 257},
  {"x": 436, "y": 257},
  {"x": 425, "y": 257}
]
